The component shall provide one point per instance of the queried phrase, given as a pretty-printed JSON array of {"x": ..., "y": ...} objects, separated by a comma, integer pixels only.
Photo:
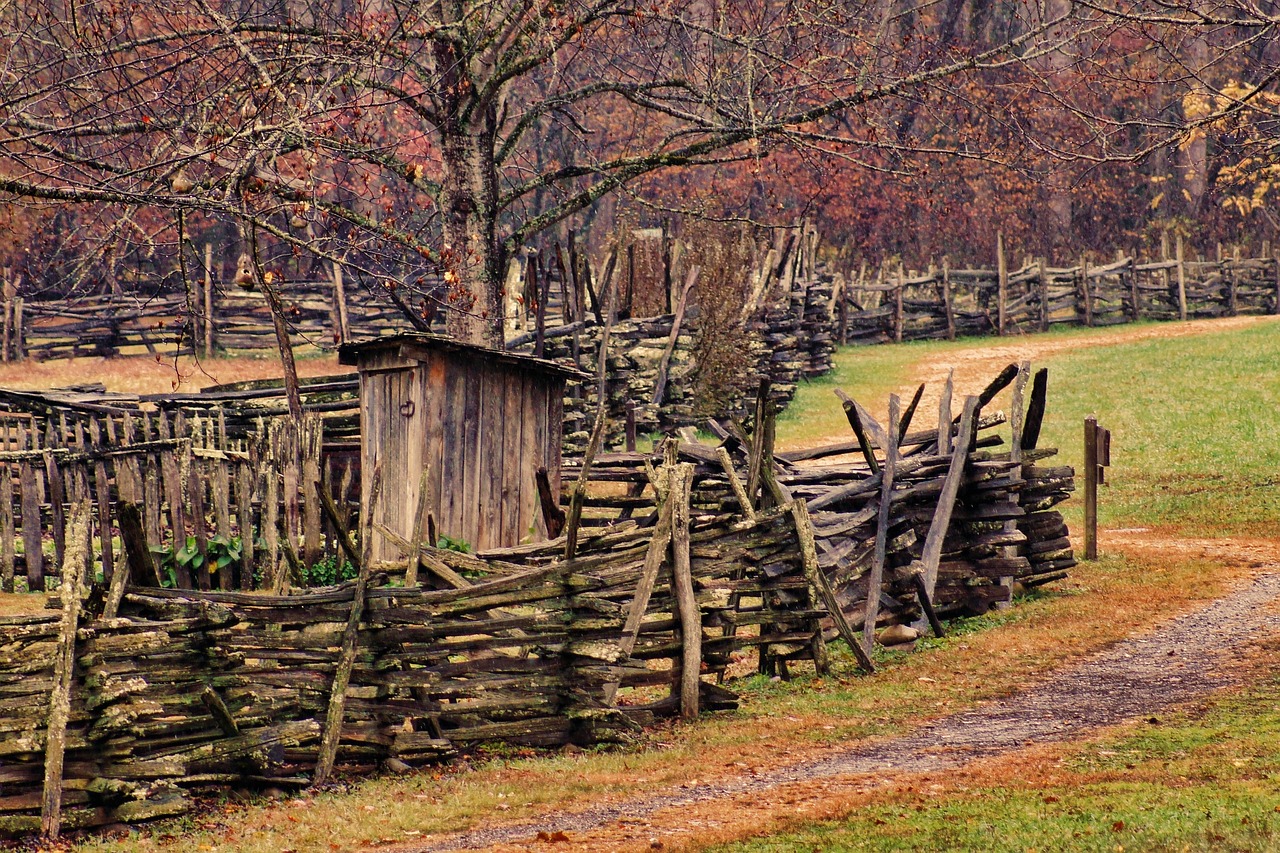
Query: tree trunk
[{"x": 473, "y": 260}]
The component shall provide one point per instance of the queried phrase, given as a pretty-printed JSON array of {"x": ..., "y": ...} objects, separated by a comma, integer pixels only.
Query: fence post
[
  {"x": 1182, "y": 282},
  {"x": 946, "y": 299},
  {"x": 19, "y": 342},
  {"x": 1133, "y": 285},
  {"x": 1002, "y": 285},
  {"x": 1097, "y": 456},
  {"x": 1084, "y": 290},
  {"x": 897, "y": 307},
  {"x": 1044, "y": 296},
  {"x": 1233, "y": 283}
]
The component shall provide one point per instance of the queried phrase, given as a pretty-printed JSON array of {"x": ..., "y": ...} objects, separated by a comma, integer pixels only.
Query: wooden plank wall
[{"x": 480, "y": 432}]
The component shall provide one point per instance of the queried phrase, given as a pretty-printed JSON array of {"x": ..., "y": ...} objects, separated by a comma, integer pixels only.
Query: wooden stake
[
  {"x": 932, "y": 553},
  {"x": 946, "y": 300},
  {"x": 859, "y": 430},
  {"x": 1091, "y": 488},
  {"x": 63, "y": 670},
  {"x": 1182, "y": 282},
  {"x": 682, "y": 587},
  {"x": 1002, "y": 285},
  {"x": 819, "y": 583},
  {"x": 328, "y": 752},
  {"x": 876, "y": 576}
]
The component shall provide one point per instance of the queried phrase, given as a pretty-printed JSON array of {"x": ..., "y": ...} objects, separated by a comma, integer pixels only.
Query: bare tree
[{"x": 399, "y": 137}]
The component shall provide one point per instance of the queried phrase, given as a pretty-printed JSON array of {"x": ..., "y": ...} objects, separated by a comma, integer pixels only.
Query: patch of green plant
[
  {"x": 220, "y": 552},
  {"x": 329, "y": 571},
  {"x": 448, "y": 543}
]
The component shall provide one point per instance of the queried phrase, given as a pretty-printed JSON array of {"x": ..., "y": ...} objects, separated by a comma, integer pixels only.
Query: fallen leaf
[{"x": 556, "y": 837}]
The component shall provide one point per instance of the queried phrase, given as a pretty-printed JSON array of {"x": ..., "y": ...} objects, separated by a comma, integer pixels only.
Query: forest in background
[{"x": 421, "y": 146}]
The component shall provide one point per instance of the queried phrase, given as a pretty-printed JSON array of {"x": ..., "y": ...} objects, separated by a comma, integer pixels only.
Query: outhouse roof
[{"x": 417, "y": 345}]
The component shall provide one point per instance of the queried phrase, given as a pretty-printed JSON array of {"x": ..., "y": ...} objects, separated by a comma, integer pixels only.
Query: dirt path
[{"x": 1179, "y": 661}]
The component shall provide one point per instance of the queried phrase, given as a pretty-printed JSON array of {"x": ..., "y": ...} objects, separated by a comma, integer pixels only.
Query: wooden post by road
[{"x": 1097, "y": 455}]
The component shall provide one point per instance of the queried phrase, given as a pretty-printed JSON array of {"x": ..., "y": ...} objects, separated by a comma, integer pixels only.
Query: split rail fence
[{"x": 664, "y": 567}]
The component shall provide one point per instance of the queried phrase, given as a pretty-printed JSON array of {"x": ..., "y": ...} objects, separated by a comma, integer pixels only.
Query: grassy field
[
  {"x": 1193, "y": 778},
  {"x": 1195, "y": 420}
]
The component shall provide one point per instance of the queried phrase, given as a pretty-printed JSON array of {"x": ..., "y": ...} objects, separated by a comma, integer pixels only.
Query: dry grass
[{"x": 159, "y": 375}]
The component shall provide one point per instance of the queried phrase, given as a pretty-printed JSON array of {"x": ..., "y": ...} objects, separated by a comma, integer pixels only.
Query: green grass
[
  {"x": 1195, "y": 420},
  {"x": 1204, "y": 781}
]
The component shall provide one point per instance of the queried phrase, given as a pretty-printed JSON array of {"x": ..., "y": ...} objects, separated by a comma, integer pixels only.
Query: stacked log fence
[{"x": 129, "y": 696}]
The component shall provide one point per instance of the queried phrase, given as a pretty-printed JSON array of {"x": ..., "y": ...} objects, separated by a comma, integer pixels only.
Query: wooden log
[
  {"x": 944, "y": 414},
  {"x": 664, "y": 364},
  {"x": 32, "y": 526},
  {"x": 756, "y": 454},
  {"x": 818, "y": 582},
  {"x": 905, "y": 423},
  {"x": 1035, "y": 409},
  {"x": 55, "y": 482},
  {"x": 655, "y": 554},
  {"x": 597, "y": 436},
  {"x": 173, "y": 489},
  {"x": 311, "y": 449},
  {"x": 64, "y": 665},
  {"x": 1091, "y": 471},
  {"x": 687, "y": 611},
  {"x": 932, "y": 552},
  {"x": 142, "y": 566},
  {"x": 330, "y": 509},
  {"x": 195, "y": 484},
  {"x": 947, "y": 307},
  {"x": 342, "y": 675},
  {"x": 859, "y": 430},
  {"x": 1182, "y": 282},
  {"x": 1002, "y": 288},
  {"x": 735, "y": 483},
  {"x": 244, "y": 517},
  {"x": 876, "y": 576},
  {"x": 1043, "y": 293},
  {"x": 7, "y": 550},
  {"x": 102, "y": 499},
  {"x": 420, "y": 514},
  {"x": 553, "y": 517}
]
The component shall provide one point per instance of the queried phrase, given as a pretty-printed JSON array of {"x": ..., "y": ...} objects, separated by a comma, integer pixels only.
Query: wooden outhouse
[{"x": 479, "y": 421}]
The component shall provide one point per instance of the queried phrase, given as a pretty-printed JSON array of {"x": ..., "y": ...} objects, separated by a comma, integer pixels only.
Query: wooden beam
[
  {"x": 932, "y": 553},
  {"x": 63, "y": 670},
  {"x": 687, "y": 612},
  {"x": 876, "y": 576},
  {"x": 332, "y": 733}
]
